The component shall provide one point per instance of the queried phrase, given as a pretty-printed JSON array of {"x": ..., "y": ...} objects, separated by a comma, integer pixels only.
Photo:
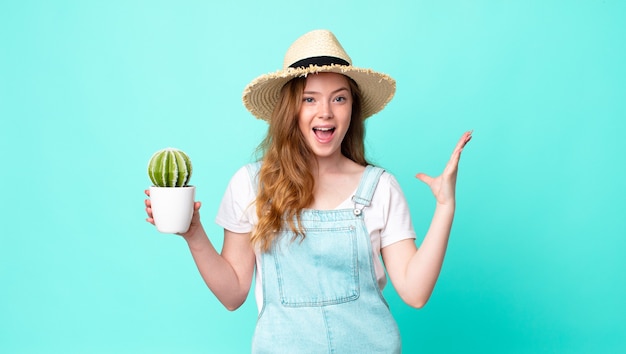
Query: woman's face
[{"x": 325, "y": 113}]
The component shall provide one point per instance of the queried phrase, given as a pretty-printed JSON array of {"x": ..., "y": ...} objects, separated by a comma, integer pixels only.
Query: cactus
[{"x": 169, "y": 168}]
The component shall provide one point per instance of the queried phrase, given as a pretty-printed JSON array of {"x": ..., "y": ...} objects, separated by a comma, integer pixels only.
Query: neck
[{"x": 330, "y": 164}]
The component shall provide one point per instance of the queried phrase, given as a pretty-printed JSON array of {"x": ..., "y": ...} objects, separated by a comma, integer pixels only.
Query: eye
[
  {"x": 340, "y": 99},
  {"x": 308, "y": 100}
]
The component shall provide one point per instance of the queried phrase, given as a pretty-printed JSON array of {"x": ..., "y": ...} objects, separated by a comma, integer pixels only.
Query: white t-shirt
[{"x": 387, "y": 219}]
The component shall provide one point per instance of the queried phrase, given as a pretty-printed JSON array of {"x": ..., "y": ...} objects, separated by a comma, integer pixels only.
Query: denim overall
[{"x": 320, "y": 293}]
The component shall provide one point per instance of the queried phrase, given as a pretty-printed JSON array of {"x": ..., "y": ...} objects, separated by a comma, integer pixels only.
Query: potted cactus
[{"x": 171, "y": 197}]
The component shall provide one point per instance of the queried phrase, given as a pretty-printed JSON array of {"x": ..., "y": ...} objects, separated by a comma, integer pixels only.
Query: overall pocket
[{"x": 321, "y": 269}]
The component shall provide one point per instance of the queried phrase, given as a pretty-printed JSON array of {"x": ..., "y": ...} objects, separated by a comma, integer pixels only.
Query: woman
[{"x": 313, "y": 217}]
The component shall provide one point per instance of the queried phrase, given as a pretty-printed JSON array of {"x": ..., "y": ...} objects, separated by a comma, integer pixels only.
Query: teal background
[{"x": 90, "y": 89}]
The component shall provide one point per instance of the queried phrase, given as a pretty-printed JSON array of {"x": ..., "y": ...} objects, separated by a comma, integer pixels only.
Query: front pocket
[{"x": 321, "y": 269}]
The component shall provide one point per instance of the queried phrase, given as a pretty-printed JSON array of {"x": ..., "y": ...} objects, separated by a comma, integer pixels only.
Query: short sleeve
[
  {"x": 397, "y": 224},
  {"x": 237, "y": 212}
]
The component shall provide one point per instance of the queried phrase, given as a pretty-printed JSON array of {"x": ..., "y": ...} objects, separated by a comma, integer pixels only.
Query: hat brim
[{"x": 262, "y": 94}]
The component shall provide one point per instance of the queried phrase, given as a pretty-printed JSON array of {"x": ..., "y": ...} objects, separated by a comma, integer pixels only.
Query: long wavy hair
[{"x": 286, "y": 183}]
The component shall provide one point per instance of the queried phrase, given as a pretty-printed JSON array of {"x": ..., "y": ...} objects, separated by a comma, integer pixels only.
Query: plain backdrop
[{"x": 90, "y": 89}]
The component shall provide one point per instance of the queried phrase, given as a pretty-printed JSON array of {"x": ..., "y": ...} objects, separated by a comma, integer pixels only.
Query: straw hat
[{"x": 314, "y": 52}]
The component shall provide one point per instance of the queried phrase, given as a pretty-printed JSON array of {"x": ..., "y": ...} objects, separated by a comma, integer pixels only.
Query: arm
[
  {"x": 229, "y": 274},
  {"x": 414, "y": 272}
]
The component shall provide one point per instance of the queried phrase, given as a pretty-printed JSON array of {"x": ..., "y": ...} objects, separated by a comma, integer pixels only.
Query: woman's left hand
[{"x": 443, "y": 186}]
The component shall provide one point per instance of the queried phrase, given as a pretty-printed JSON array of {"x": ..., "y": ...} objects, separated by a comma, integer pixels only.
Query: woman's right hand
[{"x": 195, "y": 219}]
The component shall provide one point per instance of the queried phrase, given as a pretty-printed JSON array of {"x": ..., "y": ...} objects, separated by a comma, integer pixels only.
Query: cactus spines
[{"x": 169, "y": 168}]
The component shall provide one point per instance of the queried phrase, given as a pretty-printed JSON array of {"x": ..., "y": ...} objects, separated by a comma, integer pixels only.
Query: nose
[{"x": 326, "y": 110}]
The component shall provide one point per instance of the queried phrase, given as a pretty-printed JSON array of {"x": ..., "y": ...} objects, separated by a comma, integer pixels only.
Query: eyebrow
[{"x": 332, "y": 93}]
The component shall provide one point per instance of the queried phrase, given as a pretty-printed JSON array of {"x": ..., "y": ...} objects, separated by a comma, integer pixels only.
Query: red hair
[{"x": 286, "y": 183}]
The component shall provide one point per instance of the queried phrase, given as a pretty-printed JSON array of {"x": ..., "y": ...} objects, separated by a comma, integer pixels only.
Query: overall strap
[
  {"x": 362, "y": 197},
  {"x": 253, "y": 171},
  {"x": 364, "y": 193}
]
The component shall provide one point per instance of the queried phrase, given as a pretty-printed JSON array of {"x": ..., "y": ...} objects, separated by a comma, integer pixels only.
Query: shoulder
[
  {"x": 390, "y": 180},
  {"x": 387, "y": 180},
  {"x": 236, "y": 212},
  {"x": 247, "y": 171},
  {"x": 244, "y": 177},
  {"x": 388, "y": 188}
]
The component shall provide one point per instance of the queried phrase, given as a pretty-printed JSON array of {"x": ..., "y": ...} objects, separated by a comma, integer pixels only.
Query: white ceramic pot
[{"x": 172, "y": 208}]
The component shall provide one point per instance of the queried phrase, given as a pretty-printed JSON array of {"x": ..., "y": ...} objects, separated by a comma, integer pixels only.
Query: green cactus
[{"x": 169, "y": 168}]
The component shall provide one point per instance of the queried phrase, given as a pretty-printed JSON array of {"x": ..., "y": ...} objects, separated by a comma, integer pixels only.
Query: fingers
[
  {"x": 465, "y": 138},
  {"x": 148, "y": 207},
  {"x": 456, "y": 154},
  {"x": 424, "y": 178},
  {"x": 148, "y": 203},
  {"x": 452, "y": 165},
  {"x": 149, "y": 219}
]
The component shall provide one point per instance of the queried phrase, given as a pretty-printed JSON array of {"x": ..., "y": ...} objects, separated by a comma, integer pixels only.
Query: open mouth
[{"x": 324, "y": 133}]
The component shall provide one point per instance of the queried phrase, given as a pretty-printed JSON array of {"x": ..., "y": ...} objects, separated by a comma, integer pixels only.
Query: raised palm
[{"x": 444, "y": 185}]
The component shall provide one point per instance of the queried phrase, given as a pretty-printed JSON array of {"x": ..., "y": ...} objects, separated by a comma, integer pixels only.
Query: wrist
[
  {"x": 195, "y": 233},
  {"x": 449, "y": 205}
]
